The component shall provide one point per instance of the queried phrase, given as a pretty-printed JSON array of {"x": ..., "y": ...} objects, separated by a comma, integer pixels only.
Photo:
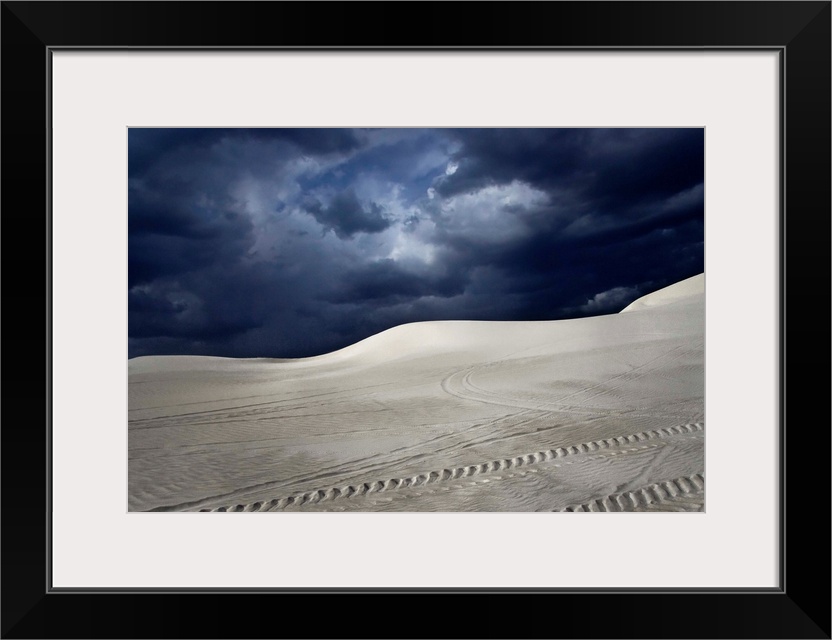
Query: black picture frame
[{"x": 798, "y": 608}]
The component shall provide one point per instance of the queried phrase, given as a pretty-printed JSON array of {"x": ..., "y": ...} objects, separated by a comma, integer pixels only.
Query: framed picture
[{"x": 94, "y": 94}]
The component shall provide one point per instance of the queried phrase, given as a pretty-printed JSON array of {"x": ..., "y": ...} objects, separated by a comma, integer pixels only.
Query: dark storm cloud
[
  {"x": 167, "y": 237},
  {"x": 384, "y": 283},
  {"x": 498, "y": 156},
  {"x": 147, "y": 146},
  {"x": 157, "y": 317},
  {"x": 346, "y": 216},
  {"x": 625, "y": 208},
  {"x": 644, "y": 165},
  {"x": 600, "y": 163},
  {"x": 227, "y": 255}
]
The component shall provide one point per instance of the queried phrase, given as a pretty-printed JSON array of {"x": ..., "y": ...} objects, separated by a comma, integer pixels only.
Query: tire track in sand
[
  {"x": 377, "y": 486},
  {"x": 686, "y": 493},
  {"x": 460, "y": 385}
]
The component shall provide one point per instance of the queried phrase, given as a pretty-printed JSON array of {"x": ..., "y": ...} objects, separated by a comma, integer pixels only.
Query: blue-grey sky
[{"x": 296, "y": 242}]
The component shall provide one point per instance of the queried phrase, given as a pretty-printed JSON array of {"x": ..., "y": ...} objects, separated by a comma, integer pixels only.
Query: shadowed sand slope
[{"x": 593, "y": 414}]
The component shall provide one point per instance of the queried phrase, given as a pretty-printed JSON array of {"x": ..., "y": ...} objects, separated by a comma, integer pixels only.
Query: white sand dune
[
  {"x": 602, "y": 413},
  {"x": 669, "y": 295}
]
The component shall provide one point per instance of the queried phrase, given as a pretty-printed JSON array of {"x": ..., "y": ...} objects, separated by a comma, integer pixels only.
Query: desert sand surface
[{"x": 593, "y": 414}]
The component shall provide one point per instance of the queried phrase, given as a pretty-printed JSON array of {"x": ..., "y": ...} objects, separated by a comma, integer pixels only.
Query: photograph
[{"x": 416, "y": 320}]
